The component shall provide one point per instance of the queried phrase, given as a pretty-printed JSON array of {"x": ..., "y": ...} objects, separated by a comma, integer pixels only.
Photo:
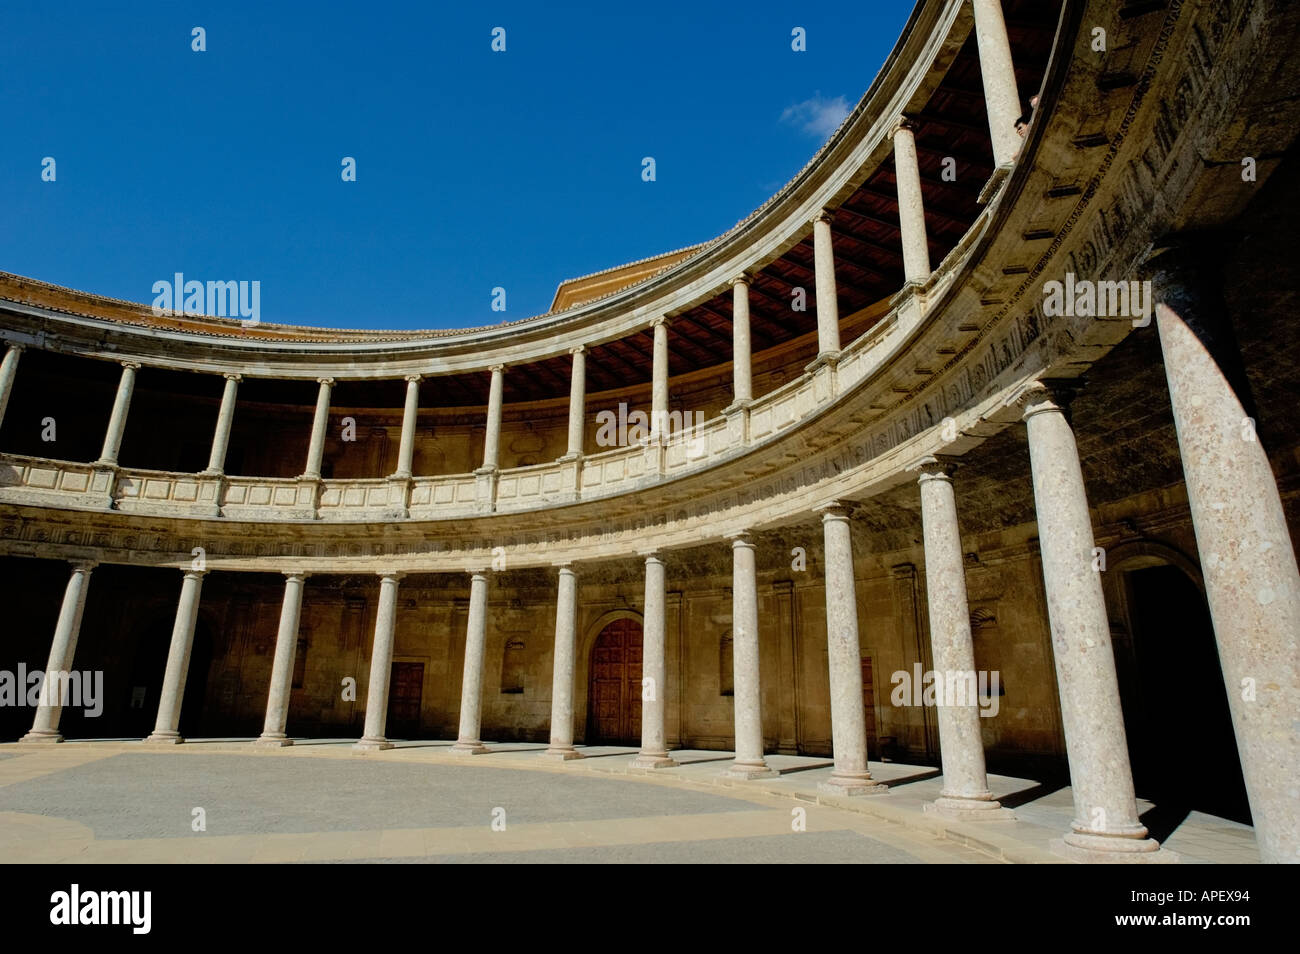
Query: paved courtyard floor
[{"x": 318, "y": 801}]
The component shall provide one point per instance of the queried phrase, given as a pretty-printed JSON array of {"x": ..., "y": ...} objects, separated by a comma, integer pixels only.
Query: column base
[
  {"x": 371, "y": 745},
  {"x": 823, "y": 359},
  {"x": 164, "y": 738},
  {"x": 652, "y": 760},
  {"x": 749, "y": 770},
  {"x": 470, "y": 748},
  {"x": 272, "y": 741},
  {"x": 561, "y": 754},
  {"x": 970, "y": 809},
  {"x": 42, "y": 737},
  {"x": 1102, "y": 849},
  {"x": 847, "y": 785}
]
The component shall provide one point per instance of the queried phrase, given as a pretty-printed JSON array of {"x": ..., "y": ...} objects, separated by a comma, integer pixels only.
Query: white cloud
[{"x": 817, "y": 116}]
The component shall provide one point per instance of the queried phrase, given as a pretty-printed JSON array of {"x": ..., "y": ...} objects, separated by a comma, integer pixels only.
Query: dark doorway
[
  {"x": 405, "y": 691},
  {"x": 869, "y": 708},
  {"x": 614, "y": 695},
  {"x": 1176, "y": 715},
  {"x": 194, "y": 717},
  {"x": 144, "y": 690}
]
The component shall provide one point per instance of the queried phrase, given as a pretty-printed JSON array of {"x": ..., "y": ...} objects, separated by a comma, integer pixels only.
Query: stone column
[
  {"x": 659, "y": 382},
  {"x": 566, "y": 636},
  {"x": 45, "y": 727},
  {"x": 8, "y": 369},
  {"x": 965, "y": 791},
  {"x": 381, "y": 666},
  {"x": 117, "y": 420},
  {"x": 1001, "y": 95},
  {"x": 746, "y": 695},
  {"x": 1106, "y": 823},
  {"x": 911, "y": 207},
  {"x": 742, "y": 373},
  {"x": 471, "y": 687},
  {"x": 492, "y": 437},
  {"x": 406, "y": 449},
  {"x": 316, "y": 450},
  {"x": 225, "y": 418},
  {"x": 1247, "y": 557},
  {"x": 844, "y": 654},
  {"x": 577, "y": 401},
  {"x": 178, "y": 661},
  {"x": 286, "y": 647},
  {"x": 654, "y": 750},
  {"x": 828, "y": 307}
]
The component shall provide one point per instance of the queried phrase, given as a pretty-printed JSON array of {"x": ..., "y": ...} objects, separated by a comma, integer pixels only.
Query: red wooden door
[{"x": 614, "y": 696}]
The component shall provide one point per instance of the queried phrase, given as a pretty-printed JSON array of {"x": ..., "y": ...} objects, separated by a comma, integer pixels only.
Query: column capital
[
  {"x": 740, "y": 538},
  {"x": 936, "y": 467},
  {"x": 835, "y": 510},
  {"x": 328, "y": 382},
  {"x": 299, "y": 575},
  {"x": 394, "y": 575},
  {"x": 651, "y": 556},
  {"x": 192, "y": 574},
  {"x": 578, "y": 349},
  {"x": 903, "y": 122},
  {"x": 497, "y": 368},
  {"x": 413, "y": 378},
  {"x": 1048, "y": 394},
  {"x": 566, "y": 567},
  {"x": 660, "y": 320},
  {"x": 477, "y": 572},
  {"x": 232, "y": 376},
  {"x": 15, "y": 346},
  {"x": 84, "y": 566},
  {"x": 825, "y": 215},
  {"x": 744, "y": 278},
  {"x": 133, "y": 365}
]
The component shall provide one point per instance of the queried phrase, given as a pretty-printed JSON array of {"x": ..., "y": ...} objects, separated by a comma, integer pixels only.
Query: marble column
[
  {"x": 844, "y": 654},
  {"x": 1106, "y": 825},
  {"x": 747, "y": 696},
  {"x": 965, "y": 791},
  {"x": 381, "y": 666},
  {"x": 566, "y": 637},
  {"x": 225, "y": 418},
  {"x": 654, "y": 670},
  {"x": 911, "y": 207},
  {"x": 316, "y": 449},
  {"x": 8, "y": 370},
  {"x": 741, "y": 354},
  {"x": 471, "y": 687},
  {"x": 45, "y": 727},
  {"x": 492, "y": 436},
  {"x": 406, "y": 449},
  {"x": 286, "y": 647},
  {"x": 117, "y": 420},
  {"x": 178, "y": 661},
  {"x": 828, "y": 307},
  {"x": 577, "y": 401},
  {"x": 1248, "y": 560},
  {"x": 1001, "y": 95},
  {"x": 659, "y": 382}
]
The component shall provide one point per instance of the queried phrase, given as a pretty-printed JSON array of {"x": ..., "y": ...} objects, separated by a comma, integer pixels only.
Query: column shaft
[
  {"x": 746, "y": 694},
  {"x": 659, "y": 382},
  {"x": 45, "y": 727},
  {"x": 286, "y": 647},
  {"x": 225, "y": 418},
  {"x": 1001, "y": 95},
  {"x": 8, "y": 370},
  {"x": 178, "y": 661},
  {"x": 577, "y": 401},
  {"x": 381, "y": 666},
  {"x": 965, "y": 782},
  {"x": 828, "y": 307},
  {"x": 406, "y": 449},
  {"x": 1105, "y": 811},
  {"x": 492, "y": 437},
  {"x": 844, "y": 654},
  {"x": 566, "y": 635},
  {"x": 911, "y": 207},
  {"x": 654, "y": 670},
  {"x": 1248, "y": 560},
  {"x": 117, "y": 420},
  {"x": 319, "y": 422},
  {"x": 742, "y": 371},
  {"x": 471, "y": 687}
]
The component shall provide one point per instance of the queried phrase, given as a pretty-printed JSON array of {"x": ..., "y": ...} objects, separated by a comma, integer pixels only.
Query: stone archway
[
  {"x": 614, "y": 684},
  {"x": 1175, "y": 703}
]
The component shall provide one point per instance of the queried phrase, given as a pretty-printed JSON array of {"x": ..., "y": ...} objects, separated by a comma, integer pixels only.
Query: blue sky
[{"x": 475, "y": 169}]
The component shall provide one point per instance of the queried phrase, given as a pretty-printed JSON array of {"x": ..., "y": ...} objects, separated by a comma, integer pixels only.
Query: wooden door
[
  {"x": 869, "y": 708},
  {"x": 614, "y": 696},
  {"x": 405, "y": 689}
]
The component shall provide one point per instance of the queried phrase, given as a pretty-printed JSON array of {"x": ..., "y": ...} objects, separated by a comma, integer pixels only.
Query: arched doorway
[
  {"x": 1180, "y": 736},
  {"x": 614, "y": 686}
]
